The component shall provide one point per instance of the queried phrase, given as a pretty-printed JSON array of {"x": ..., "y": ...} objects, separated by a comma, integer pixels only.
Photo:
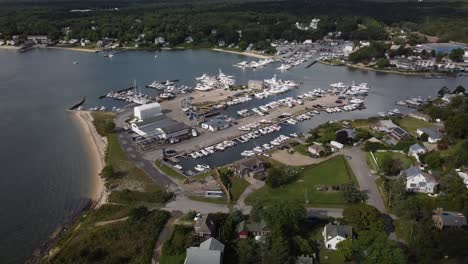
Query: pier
[
  {"x": 311, "y": 64},
  {"x": 118, "y": 91},
  {"x": 80, "y": 103}
]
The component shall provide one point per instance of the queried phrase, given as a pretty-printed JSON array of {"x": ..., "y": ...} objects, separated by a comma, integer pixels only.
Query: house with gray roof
[
  {"x": 334, "y": 234},
  {"x": 216, "y": 124},
  {"x": 209, "y": 252},
  {"x": 419, "y": 181},
  {"x": 433, "y": 134},
  {"x": 448, "y": 219},
  {"x": 249, "y": 228},
  {"x": 249, "y": 167},
  {"x": 415, "y": 150},
  {"x": 390, "y": 128},
  {"x": 205, "y": 226}
]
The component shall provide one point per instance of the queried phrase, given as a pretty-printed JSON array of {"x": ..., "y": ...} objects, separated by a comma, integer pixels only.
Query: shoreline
[
  {"x": 247, "y": 54},
  {"x": 74, "y": 49},
  {"x": 362, "y": 67},
  {"x": 96, "y": 147},
  {"x": 13, "y": 48}
]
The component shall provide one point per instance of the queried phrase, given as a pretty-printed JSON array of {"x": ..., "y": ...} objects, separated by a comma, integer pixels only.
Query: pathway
[
  {"x": 164, "y": 235},
  {"x": 365, "y": 178}
]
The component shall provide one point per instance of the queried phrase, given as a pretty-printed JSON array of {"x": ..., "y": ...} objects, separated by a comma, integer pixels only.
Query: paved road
[{"x": 365, "y": 178}]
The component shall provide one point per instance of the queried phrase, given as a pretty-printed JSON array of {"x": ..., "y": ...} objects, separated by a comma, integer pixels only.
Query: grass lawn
[
  {"x": 169, "y": 171},
  {"x": 238, "y": 186},
  {"x": 173, "y": 250},
  {"x": 410, "y": 124},
  {"x": 335, "y": 171},
  {"x": 208, "y": 199},
  {"x": 302, "y": 149},
  {"x": 370, "y": 162},
  {"x": 405, "y": 160}
]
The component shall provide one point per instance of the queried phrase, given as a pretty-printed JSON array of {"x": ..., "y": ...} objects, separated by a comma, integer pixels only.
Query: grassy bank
[
  {"x": 335, "y": 171},
  {"x": 121, "y": 231}
]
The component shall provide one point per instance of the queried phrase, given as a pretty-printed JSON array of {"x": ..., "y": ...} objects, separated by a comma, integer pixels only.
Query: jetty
[{"x": 78, "y": 104}]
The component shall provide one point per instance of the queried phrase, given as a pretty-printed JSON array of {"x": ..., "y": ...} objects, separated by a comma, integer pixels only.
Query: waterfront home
[
  {"x": 336, "y": 145},
  {"x": 2, "y": 42},
  {"x": 350, "y": 132},
  {"x": 40, "y": 39},
  {"x": 315, "y": 150},
  {"x": 419, "y": 181},
  {"x": 334, "y": 234},
  {"x": 209, "y": 252},
  {"x": 433, "y": 134},
  {"x": 216, "y": 124},
  {"x": 250, "y": 228},
  {"x": 159, "y": 41},
  {"x": 249, "y": 167},
  {"x": 390, "y": 128},
  {"x": 205, "y": 226},
  {"x": 447, "y": 219},
  {"x": 415, "y": 150},
  {"x": 421, "y": 116}
]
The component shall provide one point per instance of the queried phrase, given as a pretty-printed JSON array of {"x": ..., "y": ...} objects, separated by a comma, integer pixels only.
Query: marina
[{"x": 58, "y": 192}]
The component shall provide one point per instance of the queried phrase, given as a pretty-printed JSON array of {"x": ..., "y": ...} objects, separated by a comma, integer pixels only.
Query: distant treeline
[{"x": 209, "y": 21}]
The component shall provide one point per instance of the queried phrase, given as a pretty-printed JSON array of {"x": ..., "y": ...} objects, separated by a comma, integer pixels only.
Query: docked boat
[
  {"x": 202, "y": 168},
  {"x": 247, "y": 153},
  {"x": 258, "y": 149}
]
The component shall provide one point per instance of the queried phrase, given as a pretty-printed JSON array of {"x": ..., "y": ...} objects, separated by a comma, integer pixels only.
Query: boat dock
[
  {"x": 311, "y": 64},
  {"x": 118, "y": 91}
]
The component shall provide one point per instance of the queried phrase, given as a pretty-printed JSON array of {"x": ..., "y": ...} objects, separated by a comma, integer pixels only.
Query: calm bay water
[{"x": 45, "y": 170}]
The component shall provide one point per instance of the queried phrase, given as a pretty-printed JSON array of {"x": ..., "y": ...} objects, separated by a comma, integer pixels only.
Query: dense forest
[{"x": 236, "y": 22}]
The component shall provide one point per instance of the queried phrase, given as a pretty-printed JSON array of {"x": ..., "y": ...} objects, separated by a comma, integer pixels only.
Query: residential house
[
  {"x": 447, "y": 219},
  {"x": 250, "y": 228},
  {"x": 393, "y": 130},
  {"x": 2, "y": 42},
  {"x": 421, "y": 116},
  {"x": 415, "y": 150},
  {"x": 205, "y": 226},
  {"x": 315, "y": 150},
  {"x": 464, "y": 176},
  {"x": 334, "y": 234},
  {"x": 433, "y": 134},
  {"x": 350, "y": 132},
  {"x": 159, "y": 41},
  {"x": 336, "y": 145},
  {"x": 249, "y": 167},
  {"x": 419, "y": 181},
  {"x": 216, "y": 124},
  {"x": 209, "y": 252}
]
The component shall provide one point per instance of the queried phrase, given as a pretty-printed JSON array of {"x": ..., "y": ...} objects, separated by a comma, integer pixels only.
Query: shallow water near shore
[{"x": 46, "y": 174}]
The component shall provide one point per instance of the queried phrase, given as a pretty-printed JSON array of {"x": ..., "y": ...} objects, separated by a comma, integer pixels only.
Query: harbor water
[{"x": 45, "y": 168}]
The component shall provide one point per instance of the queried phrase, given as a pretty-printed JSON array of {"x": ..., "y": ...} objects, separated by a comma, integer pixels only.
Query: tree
[
  {"x": 424, "y": 137},
  {"x": 346, "y": 249},
  {"x": 351, "y": 194},
  {"x": 373, "y": 146},
  {"x": 382, "y": 63},
  {"x": 389, "y": 165},
  {"x": 248, "y": 252},
  {"x": 274, "y": 178},
  {"x": 363, "y": 217},
  {"x": 433, "y": 159},
  {"x": 138, "y": 214},
  {"x": 107, "y": 172},
  {"x": 440, "y": 56},
  {"x": 457, "y": 55},
  {"x": 342, "y": 137},
  {"x": 279, "y": 251}
]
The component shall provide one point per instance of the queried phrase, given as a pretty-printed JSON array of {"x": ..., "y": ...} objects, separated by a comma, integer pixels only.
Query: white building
[
  {"x": 415, "y": 150},
  {"x": 433, "y": 134},
  {"x": 215, "y": 124},
  {"x": 334, "y": 234},
  {"x": 419, "y": 181},
  {"x": 146, "y": 111},
  {"x": 464, "y": 176},
  {"x": 336, "y": 145}
]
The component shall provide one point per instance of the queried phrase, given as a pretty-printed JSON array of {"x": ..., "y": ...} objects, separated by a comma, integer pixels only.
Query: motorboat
[
  {"x": 202, "y": 168},
  {"x": 247, "y": 153}
]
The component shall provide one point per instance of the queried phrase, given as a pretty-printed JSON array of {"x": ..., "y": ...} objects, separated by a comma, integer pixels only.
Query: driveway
[{"x": 365, "y": 178}]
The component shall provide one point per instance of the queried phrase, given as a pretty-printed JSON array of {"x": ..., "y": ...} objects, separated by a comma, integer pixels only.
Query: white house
[
  {"x": 433, "y": 134},
  {"x": 315, "y": 150},
  {"x": 464, "y": 176},
  {"x": 419, "y": 181},
  {"x": 415, "y": 150},
  {"x": 145, "y": 111},
  {"x": 334, "y": 234},
  {"x": 336, "y": 145},
  {"x": 215, "y": 124}
]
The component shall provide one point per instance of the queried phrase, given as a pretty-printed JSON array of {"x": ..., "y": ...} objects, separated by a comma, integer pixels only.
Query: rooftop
[
  {"x": 338, "y": 230},
  {"x": 432, "y": 132}
]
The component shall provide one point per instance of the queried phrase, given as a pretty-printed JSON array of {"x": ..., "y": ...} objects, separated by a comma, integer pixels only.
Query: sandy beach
[
  {"x": 75, "y": 49},
  {"x": 96, "y": 146},
  {"x": 5, "y": 47},
  {"x": 248, "y": 54}
]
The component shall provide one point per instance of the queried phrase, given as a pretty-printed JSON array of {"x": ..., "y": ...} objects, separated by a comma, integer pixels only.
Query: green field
[
  {"x": 209, "y": 199},
  {"x": 238, "y": 186},
  {"x": 406, "y": 161},
  {"x": 169, "y": 171},
  {"x": 410, "y": 124},
  {"x": 335, "y": 171}
]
